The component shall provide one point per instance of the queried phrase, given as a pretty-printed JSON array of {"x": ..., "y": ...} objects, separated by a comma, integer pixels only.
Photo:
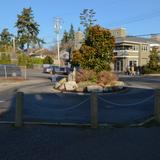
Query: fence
[
  {"x": 10, "y": 70},
  {"x": 93, "y": 110}
]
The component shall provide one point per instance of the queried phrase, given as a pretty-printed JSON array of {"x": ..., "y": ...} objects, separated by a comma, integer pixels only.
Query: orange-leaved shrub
[
  {"x": 105, "y": 78},
  {"x": 86, "y": 75}
]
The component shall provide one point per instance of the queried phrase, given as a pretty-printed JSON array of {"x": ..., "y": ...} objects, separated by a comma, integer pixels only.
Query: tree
[
  {"x": 71, "y": 33},
  {"x": 5, "y": 59},
  {"x": 76, "y": 58},
  {"x": 68, "y": 41},
  {"x": 154, "y": 60},
  {"x": 87, "y": 19},
  {"x": 97, "y": 51},
  {"x": 28, "y": 29},
  {"x": 6, "y": 37},
  {"x": 25, "y": 60},
  {"x": 65, "y": 38},
  {"x": 48, "y": 60}
]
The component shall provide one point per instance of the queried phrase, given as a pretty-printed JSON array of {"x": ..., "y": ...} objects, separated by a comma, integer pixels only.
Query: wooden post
[
  {"x": 19, "y": 108},
  {"x": 157, "y": 105},
  {"x": 25, "y": 72},
  {"x": 5, "y": 71},
  {"x": 94, "y": 110}
]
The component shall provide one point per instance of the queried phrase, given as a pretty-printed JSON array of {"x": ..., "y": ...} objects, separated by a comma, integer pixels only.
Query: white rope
[
  {"x": 131, "y": 104},
  {"x": 72, "y": 107}
]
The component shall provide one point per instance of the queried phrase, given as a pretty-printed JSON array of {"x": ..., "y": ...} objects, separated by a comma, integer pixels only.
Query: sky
[{"x": 139, "y": 17}]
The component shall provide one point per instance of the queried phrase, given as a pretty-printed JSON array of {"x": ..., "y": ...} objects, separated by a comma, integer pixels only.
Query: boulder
[
  {"x": 71, "y": 86},
  {"x": 107, "y": 88},
  {"x": 59, "y": 83},
  {"x": 62, "y": 87},
  {"x": 119, "y": 85},
  {"x": 94, "y": 88}
]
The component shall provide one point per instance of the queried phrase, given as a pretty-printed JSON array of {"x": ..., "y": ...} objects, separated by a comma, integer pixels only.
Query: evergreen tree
[
  {"x": 71, "y": 33},
  {"x": 154, "y": 59},
  {"x": 28, "y": 29},
  {"x": 6, "y": 37},
  {"x": 65, "y": 38},
  {"x": 87, "y": 19}
]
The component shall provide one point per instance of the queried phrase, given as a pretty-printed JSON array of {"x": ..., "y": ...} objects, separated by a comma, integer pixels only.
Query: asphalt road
[
  {"x": 43, "y": 105},
  {"x": 33, "y": 142}
]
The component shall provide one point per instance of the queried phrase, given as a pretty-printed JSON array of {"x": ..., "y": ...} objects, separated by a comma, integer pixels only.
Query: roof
[{"x": 136, "y": 40}]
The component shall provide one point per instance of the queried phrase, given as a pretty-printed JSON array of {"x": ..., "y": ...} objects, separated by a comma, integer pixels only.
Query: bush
[
  {"x": 48, "y": 60},
  {"x": 25, "y": 60},
  {"x": 5, "y": 59},
  {"x": 148, "y": 70},
  {"x": 86, "y": 75},
  {"x": 102, "y": 78},
  {"x": 37, "y": 61},
  {"x": 105, "y": 77}
]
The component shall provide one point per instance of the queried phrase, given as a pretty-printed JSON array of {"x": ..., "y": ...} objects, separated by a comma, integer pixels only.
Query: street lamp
[{"x": 57, "y": 28}]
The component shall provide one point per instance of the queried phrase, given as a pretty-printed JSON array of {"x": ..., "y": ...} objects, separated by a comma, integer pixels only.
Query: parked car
[
  {"x": 57, "y": 70},
  {"x": 60, "y": 70},
  {"x": 47, "y": 69}
]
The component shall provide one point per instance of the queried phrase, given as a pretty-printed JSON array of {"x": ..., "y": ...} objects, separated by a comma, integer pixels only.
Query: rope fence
[
  {"x": 94, "y": 108},
  {"x": 126, "y": 105}
]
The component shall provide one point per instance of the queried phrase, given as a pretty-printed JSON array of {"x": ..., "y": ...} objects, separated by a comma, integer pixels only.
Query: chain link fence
[{"x": 9, "y": 70}]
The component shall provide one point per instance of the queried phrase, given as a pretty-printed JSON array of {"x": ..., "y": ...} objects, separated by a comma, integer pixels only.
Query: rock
[
  {"x": 71, "y": 86},
  {"x": 62, "y": 87},
  {"x": 58, "y": 84},
  {"x": 119, "y": 85},
  {"x": 94, "y": 88},
  {"x": 62, "y": 81},
  {"x": 107, "y": 88}
]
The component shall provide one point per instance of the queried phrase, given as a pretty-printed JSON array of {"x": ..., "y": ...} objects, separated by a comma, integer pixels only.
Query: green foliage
[
  {"x": 37, "y": 61},
  {"x": 87, "y": 19},
  {"x": 76, "y": 58},
  {"x": 25, "y": 60},
  {"x": 67, "y": 42},
  {"x": 28, "y": 29},
  {"x": 48, "y": 60},
  {"x": 154, "y": 63},
  {"x": 71, "y": 33},
  {"x": 5, "y": 59},
  {"x": 154, "y": 59},
  {"x": 6, "y": 37},
  {"x": 65, "y": 37},
  {"x": 97, "y": 52}
]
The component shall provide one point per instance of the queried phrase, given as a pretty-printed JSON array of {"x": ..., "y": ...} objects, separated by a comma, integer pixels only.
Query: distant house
[
  {"x": 131, "y": 50},
  {"x": 40, "y": 53}
]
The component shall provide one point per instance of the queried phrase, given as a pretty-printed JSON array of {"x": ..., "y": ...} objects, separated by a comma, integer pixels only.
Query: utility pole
[
  {"x": 14, "y": 56},
  {"x": 57, "y": 29}
]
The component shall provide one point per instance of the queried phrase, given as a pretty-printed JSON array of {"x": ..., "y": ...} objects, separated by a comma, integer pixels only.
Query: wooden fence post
[
  {"x": 19, "y": 108},
  {"x": 157, "y": 105},
  {"x": 94, "y": 110}
]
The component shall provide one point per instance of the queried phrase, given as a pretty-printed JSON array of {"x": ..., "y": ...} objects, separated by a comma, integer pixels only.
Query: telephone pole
[{"x": 57, "y": 29}]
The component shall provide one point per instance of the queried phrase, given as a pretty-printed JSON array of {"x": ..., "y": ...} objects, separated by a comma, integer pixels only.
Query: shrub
[
  {"x": 5, "y": 59},
  {"x": 48, "y": 60},
  {"x": 37, "y": 61},
  {"x": 86, "y": 75},
  {"x": 25, "y": 60},
  {"x": 105, "y": 78}
]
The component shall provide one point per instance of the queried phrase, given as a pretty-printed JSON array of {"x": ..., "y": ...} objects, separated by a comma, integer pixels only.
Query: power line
[{"x": 155, "y": 13}]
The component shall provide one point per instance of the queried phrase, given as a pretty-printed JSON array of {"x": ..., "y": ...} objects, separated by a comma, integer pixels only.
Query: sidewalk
[{"x": 67, "y": 143}]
